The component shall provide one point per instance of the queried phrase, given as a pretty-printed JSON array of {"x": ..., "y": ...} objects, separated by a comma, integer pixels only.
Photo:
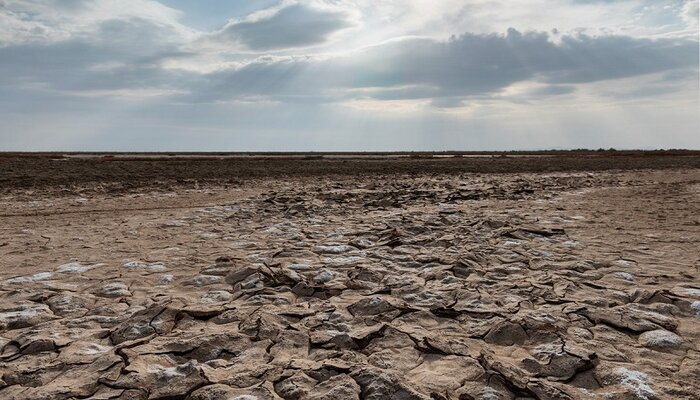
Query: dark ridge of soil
[{"x": 23, "y": 171}]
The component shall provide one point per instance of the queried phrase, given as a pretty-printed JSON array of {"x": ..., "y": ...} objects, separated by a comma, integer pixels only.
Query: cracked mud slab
[{"x": 568, "y": 285}]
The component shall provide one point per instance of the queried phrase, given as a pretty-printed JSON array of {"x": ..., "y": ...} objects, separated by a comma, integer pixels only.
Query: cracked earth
[{"x": 571, "y": 285}]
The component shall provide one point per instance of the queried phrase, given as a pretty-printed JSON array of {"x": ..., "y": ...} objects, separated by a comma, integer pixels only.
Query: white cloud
[
  {"x": 689, "y": 13},
  {"x": 50, "y": 21}
]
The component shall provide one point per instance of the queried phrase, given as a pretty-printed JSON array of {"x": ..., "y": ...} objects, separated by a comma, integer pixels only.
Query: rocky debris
[
  {"x": 374, "y": 305},
  {"x": 217, "y": 392},
  {"x": 335, "y": 387},
  {"x": 440, "y": 374},
  {"x": 113, "y": 290},
  {"x": 154, "y": 266},
  {"x": 289, "y": 346},
  {"x": 630, "y": 317},
  {"x": 69, "y": 305},
  {"x": 217, "y": 296},
  {"x": 23, "y": 315},
  {"x": 204, "y": 280},
  {"x": 163, "y": 376},
  {"x": 660, "y": 339},
  {"x": 414, "y": 288},
  {"x": 506, "y": 334},
  {"x": 77, "y": 381},
  {"x": 83, "y": 351},
  {"x": 376, "y": 384},
  {"x": 166, "y": 279},
  {"x": 77, "y": 268},
  {"x": 156, "y": 320},
  {"x": 629, "y": 383},
  {"x": 239, "y": 274},
  {"x": 40, "y": 276},
  {"x": 560, "y": 365},
  {"x": 696, "y": 308}
]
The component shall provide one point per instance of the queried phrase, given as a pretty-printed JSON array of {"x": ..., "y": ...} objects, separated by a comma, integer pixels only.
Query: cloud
[
  {"x": 552, "y": 90},
  {"x": 690, "y": 13},
  {"x": 50, "y": 21},
  {"x": 85, "y": 66},
  {"x": 291, "y": 26},
  {"x": 130, "y": 53},
  {"x": 119, "y": 54},
  {"x": 105, "y": 50},
  {"x": 464, "y": 66},
  {"x": 447, "y": 102}
]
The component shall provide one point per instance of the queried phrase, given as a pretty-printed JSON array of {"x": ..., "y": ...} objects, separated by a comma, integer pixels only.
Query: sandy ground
[{"x": 544, "y": 285}]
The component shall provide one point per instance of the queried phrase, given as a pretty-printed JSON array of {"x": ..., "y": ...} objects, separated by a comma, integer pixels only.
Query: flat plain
[{"x": 340, "y": 276}]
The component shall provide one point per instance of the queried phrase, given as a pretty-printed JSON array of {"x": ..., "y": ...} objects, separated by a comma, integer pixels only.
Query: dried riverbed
[{"x": 562, "y": 285}]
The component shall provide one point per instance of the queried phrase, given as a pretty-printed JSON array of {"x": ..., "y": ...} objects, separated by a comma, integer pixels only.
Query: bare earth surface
[{"x": 540, "y": 283}]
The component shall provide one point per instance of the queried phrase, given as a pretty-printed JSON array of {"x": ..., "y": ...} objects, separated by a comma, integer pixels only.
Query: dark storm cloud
[{"x": 295, "y": 25}]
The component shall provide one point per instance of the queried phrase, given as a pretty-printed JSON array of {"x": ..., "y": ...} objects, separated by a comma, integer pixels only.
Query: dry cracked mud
[{"x": 563, "y": 285}]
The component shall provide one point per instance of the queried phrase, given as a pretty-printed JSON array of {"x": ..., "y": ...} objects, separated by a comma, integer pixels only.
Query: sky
[{"x": 348, "y": 75}]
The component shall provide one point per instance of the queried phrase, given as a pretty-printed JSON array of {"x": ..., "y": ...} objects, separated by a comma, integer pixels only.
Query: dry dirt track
[{"x": 449, "y": 285}]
